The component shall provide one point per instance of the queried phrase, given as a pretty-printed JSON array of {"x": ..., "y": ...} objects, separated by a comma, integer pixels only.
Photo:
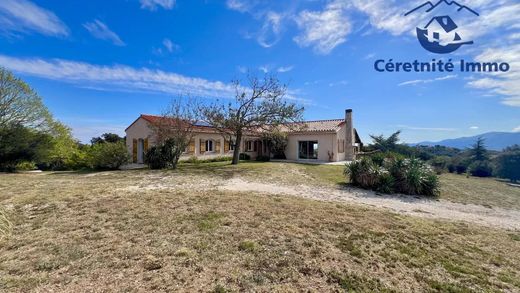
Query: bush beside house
[
  {"x": 108, "y": 156},
  {"x": 394, "y": 174}
]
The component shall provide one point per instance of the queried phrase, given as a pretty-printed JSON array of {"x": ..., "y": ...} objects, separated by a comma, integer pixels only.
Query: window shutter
[
  {"x": 134, "y": 150},
  {"x": 226, "y": 146},
  {"x": 255, "y": 146},
  {"x": 145, "y": 145},
  {"x": 191, "y": 147},
  {"x": 217, "y": 146},
  {"x": 202, "y": 146},
  {"x": 341, "y": 146}
]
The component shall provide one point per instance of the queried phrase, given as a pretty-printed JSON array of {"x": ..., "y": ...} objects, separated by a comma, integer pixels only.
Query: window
[
  {"x": 341, "y": 146},
  {"x": 209, "y": 145},
  {"x": 249, "y": 145},
  {"x": 231, "y": 145},
  {"x": 308, "y": 150}
]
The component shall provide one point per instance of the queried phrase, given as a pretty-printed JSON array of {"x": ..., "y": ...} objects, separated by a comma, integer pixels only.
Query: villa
[{"x": 322, "y": 141}]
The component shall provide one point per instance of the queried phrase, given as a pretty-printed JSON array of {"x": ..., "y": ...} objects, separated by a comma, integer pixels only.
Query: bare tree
[
  {"x": 20, "y": 105},
  {"x": 261, "y": 106},
  {"x": 174, "y": 130}
]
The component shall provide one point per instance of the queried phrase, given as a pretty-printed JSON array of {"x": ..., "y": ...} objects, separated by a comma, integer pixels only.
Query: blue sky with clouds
[{"x": 99, "y": 64}]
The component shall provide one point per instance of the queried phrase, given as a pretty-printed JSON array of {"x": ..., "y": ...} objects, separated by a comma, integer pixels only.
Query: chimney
[{"x": 349, "y": 136}]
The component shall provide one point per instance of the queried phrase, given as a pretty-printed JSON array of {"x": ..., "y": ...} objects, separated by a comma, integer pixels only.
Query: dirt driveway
[{"x": 408, "y": 205}]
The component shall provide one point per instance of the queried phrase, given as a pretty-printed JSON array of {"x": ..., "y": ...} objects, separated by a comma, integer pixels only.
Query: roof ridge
[
  {"x": 305, "y": 121},
  {"x": 323, "y": 120}
]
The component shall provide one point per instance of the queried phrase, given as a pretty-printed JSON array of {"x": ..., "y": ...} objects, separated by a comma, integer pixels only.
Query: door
[
  {"x": 308, "y": 150},
  {"x": 140, "y": 151}
]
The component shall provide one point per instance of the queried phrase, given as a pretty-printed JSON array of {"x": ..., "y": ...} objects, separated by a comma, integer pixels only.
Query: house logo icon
[{"x": 440, "y": 35}]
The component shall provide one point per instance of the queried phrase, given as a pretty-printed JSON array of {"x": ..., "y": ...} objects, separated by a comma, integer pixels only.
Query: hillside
[{"x": 494, "y": 141}]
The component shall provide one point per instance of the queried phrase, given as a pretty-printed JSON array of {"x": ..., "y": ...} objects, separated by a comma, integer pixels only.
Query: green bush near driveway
[{"x": 394, "y": 175}]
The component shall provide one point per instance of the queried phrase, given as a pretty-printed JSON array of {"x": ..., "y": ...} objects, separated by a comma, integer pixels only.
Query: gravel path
[{"x": 408, "y": 205}]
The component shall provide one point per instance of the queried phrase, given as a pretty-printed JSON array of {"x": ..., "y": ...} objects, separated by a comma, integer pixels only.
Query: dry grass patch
[
  {"x": 86, "y": 232},
  {"x": 482, "y": 191}
]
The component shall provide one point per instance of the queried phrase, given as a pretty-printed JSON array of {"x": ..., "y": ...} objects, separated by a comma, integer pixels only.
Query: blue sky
[{"x": 99, "y": 64}]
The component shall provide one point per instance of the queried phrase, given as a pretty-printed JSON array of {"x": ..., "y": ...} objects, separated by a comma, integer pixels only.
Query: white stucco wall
[{"x": 326, "y": 143}]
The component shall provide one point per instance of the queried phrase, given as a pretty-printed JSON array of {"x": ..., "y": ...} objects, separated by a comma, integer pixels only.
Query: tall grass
[{"x": 5, "y": 225}]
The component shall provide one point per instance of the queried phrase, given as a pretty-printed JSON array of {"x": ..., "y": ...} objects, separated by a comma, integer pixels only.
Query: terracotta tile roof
[
  {"x": 154, "y": 118},
  {"x": 315, "y": 126},
  {"x": 331, "y": 125}
]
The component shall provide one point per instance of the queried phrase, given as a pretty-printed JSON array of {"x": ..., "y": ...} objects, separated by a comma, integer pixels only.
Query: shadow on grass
[
  {"x": 224, "y": 170},
  {"x": 367, "y": 193}
]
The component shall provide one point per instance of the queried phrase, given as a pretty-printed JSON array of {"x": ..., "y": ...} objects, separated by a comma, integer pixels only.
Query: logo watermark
[{"x": 441, "y": 35}]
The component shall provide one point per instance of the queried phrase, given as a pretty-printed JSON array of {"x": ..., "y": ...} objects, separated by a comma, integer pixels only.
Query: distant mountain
[{"x": 494, "y": 141}]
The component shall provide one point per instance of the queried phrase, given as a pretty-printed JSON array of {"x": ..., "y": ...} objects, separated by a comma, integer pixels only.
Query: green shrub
[
  {"x": 244, "y": 157},
  {"x": 26, "y": 166},
  {"x": 440, "y": 164},
  {"x": 378, "y": 158},
  {"x": 164, "y": 155},
  {"x": 155, "y": 158},
  {"x": 386, "y": 182},
  {"x": 220, "y": 159},
  {"x": 481, "y": 169},
  {"x": 364, "y": 173},
  {"x": 461, "y": 169},
  {"x": 19, "y": 144},
  {"x": 263, "y": 158},
  {"x": 458, "y": 165},
  {"x": 508, "y": 164},
  {"x": 192, "y": 160},
  {"x": 413, "y": 176},
  {"x": 408, "y": 176},
  {"x": 195, "y": 160},
  {"x": 108, "y": 156}
]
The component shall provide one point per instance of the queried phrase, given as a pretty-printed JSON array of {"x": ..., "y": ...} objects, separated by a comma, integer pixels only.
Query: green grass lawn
[{"x": 80, "y": 232}]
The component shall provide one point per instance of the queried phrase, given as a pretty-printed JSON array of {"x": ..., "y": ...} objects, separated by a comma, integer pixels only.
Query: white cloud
[
  {"x": 284, "y": 69},
  {"x": 338, "y": 83},
  {"x": 517, "y": 129},
  {"x": 117, "y": 77},
  {"x": 242, "y": 69},
  {"x": 154, "y": 4},
  {"x": 269, "y": 35},
  {"x": 369, "y": 56},
  {"x": 170, "y": 46},
  {"x": 504, "y": 83},
  {"x": 387, "y": 15},
  {"x": 24, "y": 16},
  {"x": 474, "y": 127},
  {"x": 323, "y": 30},
  {"x": 422, "y": 81},
  {"x": 264, "y": 68},
  {"x": 101, "y": 31},
  {"x": 238, "y": 5}
]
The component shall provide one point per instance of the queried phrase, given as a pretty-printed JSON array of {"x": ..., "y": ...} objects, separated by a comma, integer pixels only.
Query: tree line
[{"x": 31, "y": 138}]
